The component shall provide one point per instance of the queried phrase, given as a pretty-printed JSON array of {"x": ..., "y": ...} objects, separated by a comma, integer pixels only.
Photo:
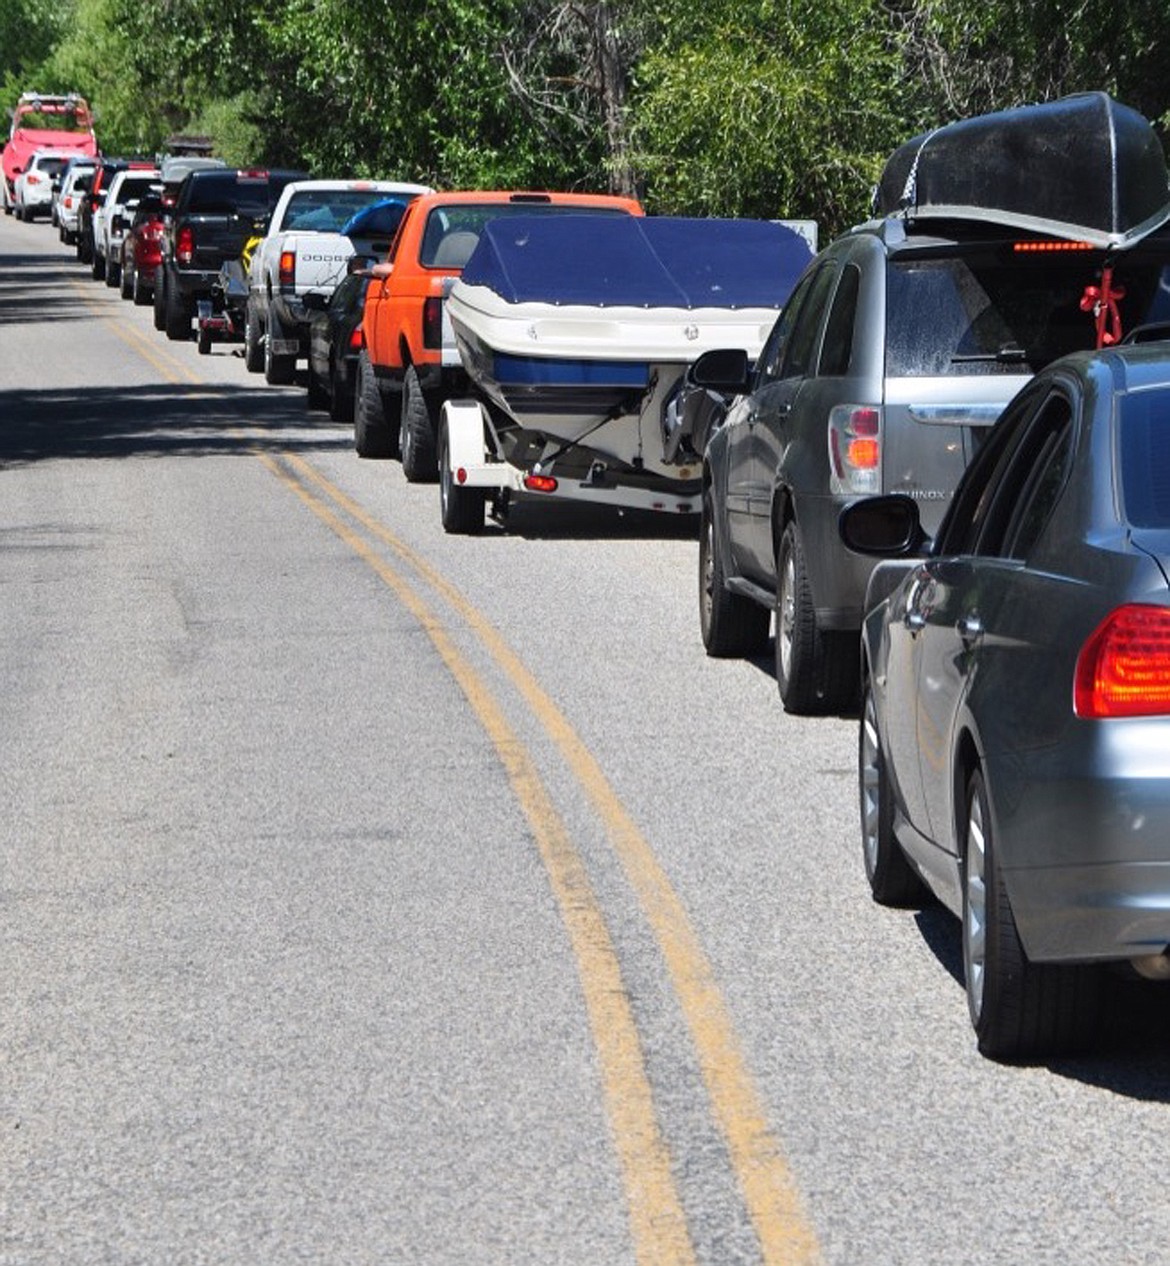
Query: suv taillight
[
  {"x": 1123, "y": 670},
  {"x": 288, "y": 270},
  {"x": 433, "y": 322},
  {"x": 855, "y": 449},
  {"x": 185, "y": 246}
]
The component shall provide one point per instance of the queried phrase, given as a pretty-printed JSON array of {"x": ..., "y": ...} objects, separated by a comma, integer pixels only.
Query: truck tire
[
  {"x": 253, "y": 341},
  {"x": 127, "y": 284},
  {"x": 113, "y": 274},
  {"x": 160, "y": 294},
  {"x": 280, "y": 370},
  {"x": 372, "y": 434},
  {"x": 417, "y": 439},
  {"x": 177, "y": 316},
  {"x": 340, "y": 398},
  {"x": 97, "y": 266}
]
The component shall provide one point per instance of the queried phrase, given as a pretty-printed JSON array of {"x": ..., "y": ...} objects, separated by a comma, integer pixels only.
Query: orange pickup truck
[{"x": 410, "y": 364}]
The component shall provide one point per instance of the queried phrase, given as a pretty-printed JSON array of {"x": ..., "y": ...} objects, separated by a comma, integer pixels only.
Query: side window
[
  {"x": 969, "y": 508},
  {"x": 837, "y": 349},
  {"x": 1046, "y": 459},
  {"x": 802, "y": 346},
  {"x": 768, "y": 366}
]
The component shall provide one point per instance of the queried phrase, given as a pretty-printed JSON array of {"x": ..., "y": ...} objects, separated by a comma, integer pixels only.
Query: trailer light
[
  {"x": 540, "y": 483},
  {"x": 461, "y": 475}
]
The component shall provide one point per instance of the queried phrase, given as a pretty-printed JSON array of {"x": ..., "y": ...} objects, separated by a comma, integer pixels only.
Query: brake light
[
  {"x": 185, "y": 245},
  {"x": 357, "y": 339},
  {"x": 433, "y": 322},
  {"x": 288, "y": 269},
  {"x": 1047, "y": 248},
  {"x": 1123, "y": 670},
  {"x": 32, "y": 178},
  {"x": 855, "y": 449}
]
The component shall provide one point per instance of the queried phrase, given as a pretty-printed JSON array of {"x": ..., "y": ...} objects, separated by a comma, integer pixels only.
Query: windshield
[
  {"x": 326, "y": 211},
  {"x": 1000, "y": 311}
]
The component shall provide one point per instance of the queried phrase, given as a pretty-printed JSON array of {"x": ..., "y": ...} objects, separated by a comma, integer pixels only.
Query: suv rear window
[{"x": 999, "y": 312}]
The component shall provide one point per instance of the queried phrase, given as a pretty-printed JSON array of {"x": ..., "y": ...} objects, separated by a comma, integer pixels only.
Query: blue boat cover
[{"x": 631, "y": 261}]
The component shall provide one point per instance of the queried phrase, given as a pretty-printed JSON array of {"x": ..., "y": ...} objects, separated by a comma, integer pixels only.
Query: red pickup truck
[{"x": 410, "y": 363}]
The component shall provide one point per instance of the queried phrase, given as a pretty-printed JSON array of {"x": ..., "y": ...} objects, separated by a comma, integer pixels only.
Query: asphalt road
[{"x": 369, "y": 895}]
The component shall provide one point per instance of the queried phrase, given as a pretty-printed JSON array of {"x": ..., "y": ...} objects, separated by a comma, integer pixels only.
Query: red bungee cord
[{"x": 1102, "y": 302}]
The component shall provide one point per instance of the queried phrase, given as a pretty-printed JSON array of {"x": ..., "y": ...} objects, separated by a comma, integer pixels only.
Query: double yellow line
[{"x": 657, "y": 1217}]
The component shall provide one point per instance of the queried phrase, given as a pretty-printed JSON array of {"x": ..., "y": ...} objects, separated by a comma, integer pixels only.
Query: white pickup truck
[{"x": 305, "y": 249}]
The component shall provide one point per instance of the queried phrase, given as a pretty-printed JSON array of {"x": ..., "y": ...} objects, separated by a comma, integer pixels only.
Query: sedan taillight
[
  {"x": 855, "y": 449},
  {"x": 185, "y": 246},
  {"x": 1123, "y": 670}
]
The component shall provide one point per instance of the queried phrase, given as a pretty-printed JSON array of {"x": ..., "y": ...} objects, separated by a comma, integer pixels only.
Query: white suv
[
  {"x": 33, "y": 190},
  {"x": 112, "y": 218}
]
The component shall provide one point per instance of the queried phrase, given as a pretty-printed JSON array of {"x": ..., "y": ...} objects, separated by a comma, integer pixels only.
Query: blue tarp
[{"x": 630, "y": 261}]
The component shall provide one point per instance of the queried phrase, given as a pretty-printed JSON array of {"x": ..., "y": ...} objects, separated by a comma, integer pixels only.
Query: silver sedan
[{"x": 1014, "y": 754}]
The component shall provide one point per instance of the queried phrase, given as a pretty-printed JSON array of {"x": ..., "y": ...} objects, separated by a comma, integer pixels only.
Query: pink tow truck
[{"x": 63, "y": 124}]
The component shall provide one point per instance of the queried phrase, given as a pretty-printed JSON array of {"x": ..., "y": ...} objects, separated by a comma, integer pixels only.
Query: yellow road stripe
[
  {"x": 769, "y": 1190},
  {"x": 658, "y": 1223},
  {"x": 170, "y": 368}
]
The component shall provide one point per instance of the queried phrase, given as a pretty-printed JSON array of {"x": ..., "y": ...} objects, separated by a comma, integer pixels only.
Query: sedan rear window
[{"x": 1145, "y": 458}]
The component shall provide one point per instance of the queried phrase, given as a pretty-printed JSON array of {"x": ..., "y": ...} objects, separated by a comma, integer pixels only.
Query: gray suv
[{"x": 895, "y": 353}]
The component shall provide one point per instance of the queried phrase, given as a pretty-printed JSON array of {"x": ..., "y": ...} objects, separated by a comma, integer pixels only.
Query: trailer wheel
[
  {"x": 204, "y": 341},
  {"x": 462, "y": 509}
]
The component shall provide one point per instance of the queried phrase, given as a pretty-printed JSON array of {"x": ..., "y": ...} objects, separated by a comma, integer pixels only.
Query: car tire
[
  {"x": 461, "y": 509},
  {"x": 372, "y": 435},
  {"x": 892, "y": 880},
  {"x": 253, "y": 341},
  {"x": 318, "y": 397},
  {"x": 340, "y": 399},
  {"x": 113, "y": 274},
  {"x": 177, "y": 317},
  {"x": 731, "y": 625},
  {"x": 160, "y": 297},
  {"x": 1020, "y": 1010},
  {"x": 126, "y": 284},
  {"x": 420, "y": 463}
]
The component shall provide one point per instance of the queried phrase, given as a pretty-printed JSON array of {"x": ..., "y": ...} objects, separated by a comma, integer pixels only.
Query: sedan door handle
[{"x": 970, "y": 631}]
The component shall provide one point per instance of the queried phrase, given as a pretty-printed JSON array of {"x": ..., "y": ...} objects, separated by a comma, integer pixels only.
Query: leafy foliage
[{"x": 731, "y": 107}]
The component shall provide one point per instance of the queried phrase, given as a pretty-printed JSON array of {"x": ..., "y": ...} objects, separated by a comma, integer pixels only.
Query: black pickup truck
[{"x": 215, "y": 213}]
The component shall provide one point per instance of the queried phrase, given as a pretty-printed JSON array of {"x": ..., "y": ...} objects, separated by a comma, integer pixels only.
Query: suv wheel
[
  {"x": 372, "y": 436},
  {"x": 731, "y": 624},
  {"x": 798, "y": 642},
  {"x": 417, "y": 436}
]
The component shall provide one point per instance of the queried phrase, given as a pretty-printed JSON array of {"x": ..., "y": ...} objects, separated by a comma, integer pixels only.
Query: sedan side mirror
[{"x": 883, "y": 527}]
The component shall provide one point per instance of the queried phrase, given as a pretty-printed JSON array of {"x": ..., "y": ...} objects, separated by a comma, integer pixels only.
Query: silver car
[
  {"x": 890, "y": 362},
  {"x": 1014, "y": 754}
]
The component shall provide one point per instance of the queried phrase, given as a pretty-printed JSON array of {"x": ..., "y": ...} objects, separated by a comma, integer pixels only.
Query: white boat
[{"x": 577, "y": 330}]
